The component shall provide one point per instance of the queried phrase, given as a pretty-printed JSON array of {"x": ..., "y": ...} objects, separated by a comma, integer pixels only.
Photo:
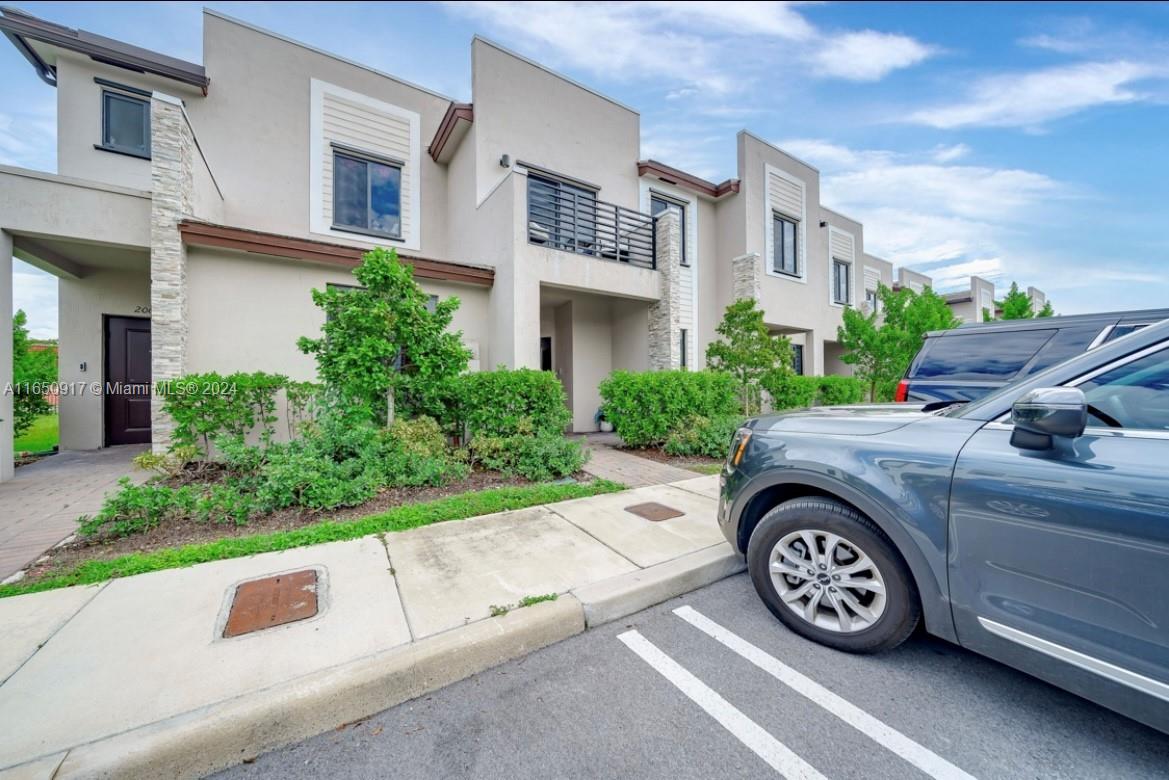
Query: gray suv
[{"x": 1031, "y": 525}]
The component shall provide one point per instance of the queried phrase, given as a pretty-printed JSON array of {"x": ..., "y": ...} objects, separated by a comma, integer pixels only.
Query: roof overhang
[
  {"x": 39, "y": 41},
  {"x": 454, "y": 125},
  {"x": 306, "y": 250},
  {"x": 679, "y": 178}
]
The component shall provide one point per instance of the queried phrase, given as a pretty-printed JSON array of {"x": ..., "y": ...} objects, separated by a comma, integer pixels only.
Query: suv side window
[
  {"x": 1136, "y": 395},
  {"x": 1066, "y": 343},
  {"x": 978, "y": 356}
]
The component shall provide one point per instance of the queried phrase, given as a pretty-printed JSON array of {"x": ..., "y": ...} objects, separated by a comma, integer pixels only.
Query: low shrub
[
  {"x": 840, "y": 391},
  {"x": 793, "y": 391},
  {"x": 136, "y": 509},
  {"x": 538, "y": 458},
  {"x": 789, "y": 390},
  {"x": 703, "y": 436},
  {"x": 646, "y": 406},
  {"x": 509, "y": 402},
  {"x": 206, "y": 406}
]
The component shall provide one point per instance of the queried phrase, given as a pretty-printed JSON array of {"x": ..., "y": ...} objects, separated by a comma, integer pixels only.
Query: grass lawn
[
  {"x": 41, "y": 437},
  {"x": 400, "y": 518}
]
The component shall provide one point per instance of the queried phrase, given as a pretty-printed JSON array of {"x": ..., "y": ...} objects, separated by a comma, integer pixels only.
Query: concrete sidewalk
[{"x": 132, "y": 678}]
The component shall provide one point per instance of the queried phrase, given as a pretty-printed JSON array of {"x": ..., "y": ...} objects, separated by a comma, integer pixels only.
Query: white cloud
[
  {"x": 867, "y": 55},
  {"x": 1031, "y": 99},
  {"x": 945, "y": 154},
  {"x": 924, "y": 209},
  {"x": 698, "y": 47},
  {"x": 957, "y": 275},
  {"x": 28, "y": 138}
]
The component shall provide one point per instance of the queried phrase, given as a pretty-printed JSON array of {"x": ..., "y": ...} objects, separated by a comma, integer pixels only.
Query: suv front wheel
[{"x": 830, "y": 574}]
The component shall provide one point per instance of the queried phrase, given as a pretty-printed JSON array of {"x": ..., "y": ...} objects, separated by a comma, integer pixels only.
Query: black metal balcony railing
[{"x": 574, "y": 220}]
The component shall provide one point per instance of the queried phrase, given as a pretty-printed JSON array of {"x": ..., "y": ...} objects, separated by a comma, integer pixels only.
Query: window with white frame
[
  {"x": 785, "y": 224},
  {"x": 785, "y": 245},
  {"x": 364, "y": 167},
  {"x": 871, "y": 300},
  {"x": 841, "y": 258}
]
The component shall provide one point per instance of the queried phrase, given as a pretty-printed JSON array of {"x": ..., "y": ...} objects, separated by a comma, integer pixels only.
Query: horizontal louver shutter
[
  {"x": 841, "y": 246},
  {"x": 786, "y": 196}
]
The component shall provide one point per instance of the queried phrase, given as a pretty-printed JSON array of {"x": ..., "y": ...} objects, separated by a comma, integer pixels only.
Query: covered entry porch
[
  {"x": 95, "y": 239},
  {"x": 584, "y": 337}
]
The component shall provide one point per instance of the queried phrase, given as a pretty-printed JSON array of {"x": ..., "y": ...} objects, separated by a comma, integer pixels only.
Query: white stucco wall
[{"x": 246, "y": 312}]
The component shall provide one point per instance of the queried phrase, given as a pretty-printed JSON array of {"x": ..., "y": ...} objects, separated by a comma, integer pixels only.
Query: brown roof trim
[
  {"x": 21, "y": 27},
  {"x": 672, "y": 175},
  {"x": 309, "y": 250},
  {"x": 455, "y": 113}
]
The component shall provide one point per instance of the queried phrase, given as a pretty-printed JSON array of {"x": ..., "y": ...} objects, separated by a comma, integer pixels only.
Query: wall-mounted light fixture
[
  {"x": 823, "y": 223},
  {"x": 505, "y": 161}
]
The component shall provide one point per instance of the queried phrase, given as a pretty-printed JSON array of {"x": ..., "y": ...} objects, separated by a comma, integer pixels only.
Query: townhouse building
[
  {"x": 195, "y": 207},
  {"x": 975, "y": 303}
]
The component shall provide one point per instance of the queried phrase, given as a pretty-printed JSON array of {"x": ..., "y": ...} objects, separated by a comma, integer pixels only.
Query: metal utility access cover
[
  {"x": 272, "y": 601},
  {"x": 654, "y": 512}
]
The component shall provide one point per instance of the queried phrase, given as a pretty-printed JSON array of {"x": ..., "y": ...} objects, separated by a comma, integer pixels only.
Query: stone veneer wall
[
  {"x": 171, "y": 177},
  {"x": 665, "y": 348},
  {"x": 746, "y": 277}
]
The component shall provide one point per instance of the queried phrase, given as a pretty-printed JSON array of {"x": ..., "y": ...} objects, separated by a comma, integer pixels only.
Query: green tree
[
  {"x": 1046, "y": 311},
  {"x": 882, "y": 347},
  {"x": 747, "y": 350},
  {"x": 1017, "y": 305},
  {"x": 383, "y": 342},
  {"x": 32, "y": 372}
]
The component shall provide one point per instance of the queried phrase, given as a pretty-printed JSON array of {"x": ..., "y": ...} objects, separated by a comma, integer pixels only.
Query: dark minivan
[{"x": 968, "y": 362}]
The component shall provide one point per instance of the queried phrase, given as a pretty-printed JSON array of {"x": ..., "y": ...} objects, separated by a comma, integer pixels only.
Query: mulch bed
[
  {"x": 183, "y": 532},
  {"x": 653, "y": 453}
]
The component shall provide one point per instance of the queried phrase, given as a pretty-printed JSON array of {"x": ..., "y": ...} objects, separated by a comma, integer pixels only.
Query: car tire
[{"x": 824, "y": 521}]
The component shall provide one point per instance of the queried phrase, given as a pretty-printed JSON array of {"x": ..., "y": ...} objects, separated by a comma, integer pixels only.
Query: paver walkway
[
  {"x": 608, "y": 462},
  {"x": 40, "y": 505}
]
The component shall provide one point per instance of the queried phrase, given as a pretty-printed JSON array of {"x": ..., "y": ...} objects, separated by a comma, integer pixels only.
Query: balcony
[{"x": 571, "y": 219}]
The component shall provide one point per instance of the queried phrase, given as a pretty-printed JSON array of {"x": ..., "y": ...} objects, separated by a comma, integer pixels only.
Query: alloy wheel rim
[{"x": 827, "y": 581}]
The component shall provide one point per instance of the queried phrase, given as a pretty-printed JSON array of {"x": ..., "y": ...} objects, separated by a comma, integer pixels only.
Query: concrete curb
[
  {"x": 221, "y": 735},
  {"x": 619, "y": 596},
  {"x": 206, "y": 740}
]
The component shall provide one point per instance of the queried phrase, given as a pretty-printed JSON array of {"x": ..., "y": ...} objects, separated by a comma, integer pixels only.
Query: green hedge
[
  {"x": 793, "y": 391},
  {"x": 646, "y": 406},
  {"x": 840, "y": 390},
  {"x": 706, "y": 436},
  {"x": 507, "y": 402}
]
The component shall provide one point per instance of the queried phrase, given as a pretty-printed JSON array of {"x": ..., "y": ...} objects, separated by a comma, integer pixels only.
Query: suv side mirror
[{"x": 1047, "y": 412}]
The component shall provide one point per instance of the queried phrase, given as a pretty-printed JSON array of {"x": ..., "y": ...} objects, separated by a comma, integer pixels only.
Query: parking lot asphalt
[{"x": 711, "y": 685}]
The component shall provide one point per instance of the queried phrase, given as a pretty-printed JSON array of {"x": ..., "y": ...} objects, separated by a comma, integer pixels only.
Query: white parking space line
[
  {"x": 921, "y": 757},
  {"x": 778, "y": 755}
]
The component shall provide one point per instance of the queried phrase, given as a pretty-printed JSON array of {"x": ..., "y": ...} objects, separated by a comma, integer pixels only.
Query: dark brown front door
[{"x": 127, "y": 380}]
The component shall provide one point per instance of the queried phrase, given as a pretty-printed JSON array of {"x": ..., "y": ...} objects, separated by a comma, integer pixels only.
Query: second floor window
[
  {"x": 660, "y": 206},
  {"x": 785, "y": 246},
  {"x": 871, "y": 299},
  {"x": 125, "y": 124},
  {"x": 840, "y": 282},
  {"x": 367, "y": 195}
]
